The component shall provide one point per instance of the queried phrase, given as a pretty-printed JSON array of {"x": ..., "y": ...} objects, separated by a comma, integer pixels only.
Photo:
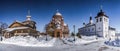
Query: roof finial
[
  {"x": 28, "y": 16},
  {"x": 101, "y": 7},
  {"x": 90, "y": 14},
  {"x": 57, "y": 10},
  {"x": 28, "y": 12}
]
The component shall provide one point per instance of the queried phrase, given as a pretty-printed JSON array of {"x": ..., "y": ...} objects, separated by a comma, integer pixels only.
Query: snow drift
[
  {"x": 28, "y": 41},
  {"x": 41, "y": 41}
]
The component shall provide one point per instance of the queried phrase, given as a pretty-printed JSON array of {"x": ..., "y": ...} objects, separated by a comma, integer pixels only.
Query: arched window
[{"x": 92, "y": 29}]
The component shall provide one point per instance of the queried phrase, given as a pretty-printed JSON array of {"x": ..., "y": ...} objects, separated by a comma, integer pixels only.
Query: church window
[
  {"x": 85, "y": 29},
  {"x": 92, "y": 29},
  {"x": 100, "y": 19},
  {"x": 21, "y": 31},
  {"x": 97, "y": 20},
  {"x": 104, "y": 19},
  {"x": 16, "y": 31},
  {"x": 99, "y": 27},
  {"x": 88, "y": 29},
  {"x": 28, "y": 31}
]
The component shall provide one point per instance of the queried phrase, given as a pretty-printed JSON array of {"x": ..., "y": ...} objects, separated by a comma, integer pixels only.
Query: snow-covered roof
[
  {"x": 11, "y": 29},
  {"x": 65, "y": 24},
  {"x": 58, "y": 13}
]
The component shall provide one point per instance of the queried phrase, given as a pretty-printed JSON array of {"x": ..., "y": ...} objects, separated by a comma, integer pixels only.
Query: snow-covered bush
[{"x": 115, "y": 42}]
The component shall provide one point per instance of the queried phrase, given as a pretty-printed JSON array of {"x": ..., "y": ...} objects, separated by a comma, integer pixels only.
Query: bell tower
[{"x": 102, "y": 24}]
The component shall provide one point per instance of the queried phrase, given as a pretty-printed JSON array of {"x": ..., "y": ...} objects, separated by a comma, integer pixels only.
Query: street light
[
  {"x": 45, "y": 31},
  {"x": 46, "y": 36},
  {"x": 74, "y": 31}
]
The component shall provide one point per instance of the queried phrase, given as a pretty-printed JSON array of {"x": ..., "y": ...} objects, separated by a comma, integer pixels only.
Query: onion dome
[
  {"x": 58, "y": 13},
  {"x": 101, "y": 13}
]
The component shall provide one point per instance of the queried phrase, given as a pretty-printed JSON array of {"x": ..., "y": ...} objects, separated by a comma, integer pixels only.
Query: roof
[
  {"x": 16, "y": 28},
  {"x": 33, "y": 22},
  {"x": 101, "y": 13},
  {"x": 58, "y": 13},
  {"x": 15, "y": 23},
  {"x": 87, "y": 25},
  {"x": 111, "y": 28}
]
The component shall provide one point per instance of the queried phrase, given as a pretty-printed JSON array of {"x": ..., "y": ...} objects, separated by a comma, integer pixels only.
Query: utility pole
[
  {"x": 74, "y": 31},
  {"x": 45, "y": 32}
]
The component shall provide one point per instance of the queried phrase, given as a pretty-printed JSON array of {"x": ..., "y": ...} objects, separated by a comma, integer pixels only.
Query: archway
[{"x": 58, "y": 34}]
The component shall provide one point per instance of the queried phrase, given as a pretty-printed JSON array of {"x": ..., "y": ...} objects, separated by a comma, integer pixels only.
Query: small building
[
  {"x": 24, "y": 28},
  {"x": 100, "y": 28},
  {"x": 57, "y": 27}
]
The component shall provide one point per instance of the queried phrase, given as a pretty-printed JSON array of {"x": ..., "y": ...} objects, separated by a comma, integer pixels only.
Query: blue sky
[{"x": 74, "y": 12}]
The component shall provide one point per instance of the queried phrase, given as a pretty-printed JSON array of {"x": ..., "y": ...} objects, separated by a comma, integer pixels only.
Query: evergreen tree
[
  {"x": 78, "y": 35},
  {"x": 72, "y": 34}
]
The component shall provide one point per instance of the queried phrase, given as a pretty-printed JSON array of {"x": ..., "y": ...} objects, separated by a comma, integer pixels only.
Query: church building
[
  {"x": 100, "y": 28},
  {"x": 57, "y": 27},
  {"x": 25, "y": 28}
]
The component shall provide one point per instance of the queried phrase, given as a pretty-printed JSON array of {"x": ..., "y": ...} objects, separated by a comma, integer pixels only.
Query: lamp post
[
  {"x": 46, "y": 37},
  {"x": 45, "y": 31},
  {"x": 1, "y": 35},
  {"x": 74, "y": 31}
]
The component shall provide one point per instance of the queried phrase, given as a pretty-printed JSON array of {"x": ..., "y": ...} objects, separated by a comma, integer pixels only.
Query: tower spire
[
  {"x": 90, "y": 14},
  {"x": 28, "y": 12},
  {"x": 57, "y": 10},
  {"x": 28, "y": 16}
]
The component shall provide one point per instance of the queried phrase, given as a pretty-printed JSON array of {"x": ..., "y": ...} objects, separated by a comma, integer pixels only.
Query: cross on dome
[
  {"x": 101, "y": 7},
  {"x": 28, "y": 16},
  {"x": 58, "y": 13}
]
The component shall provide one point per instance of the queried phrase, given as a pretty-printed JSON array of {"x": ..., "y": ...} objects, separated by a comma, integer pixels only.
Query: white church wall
[
  {"x": 112, "y": 34},
  {"x": 99, "y": 27}
]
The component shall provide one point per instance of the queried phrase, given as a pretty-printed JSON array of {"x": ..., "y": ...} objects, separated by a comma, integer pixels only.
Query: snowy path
[{"x": 96, "y": 46}]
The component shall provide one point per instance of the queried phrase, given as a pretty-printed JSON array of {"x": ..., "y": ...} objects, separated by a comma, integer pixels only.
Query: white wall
[
  {"x": 112, "y": 34},
  {"x": 102, "y": 26}
]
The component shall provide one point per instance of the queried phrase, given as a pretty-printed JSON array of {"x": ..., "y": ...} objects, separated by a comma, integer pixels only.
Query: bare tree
[{"x": 2, "y": 27}]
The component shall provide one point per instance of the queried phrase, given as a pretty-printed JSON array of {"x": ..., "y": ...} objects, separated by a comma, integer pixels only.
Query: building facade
[
  {"x": 57, "y": 27},
  {"x": 100, "y": 28},
  {"x": 25, "y": 28}
]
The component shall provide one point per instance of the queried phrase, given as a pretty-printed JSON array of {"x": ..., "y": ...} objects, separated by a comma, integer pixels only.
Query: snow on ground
[
  {"x": 54, "y": 44},
  {"x": 113, "y": 42},
  {"x": 28, "y": 41}
]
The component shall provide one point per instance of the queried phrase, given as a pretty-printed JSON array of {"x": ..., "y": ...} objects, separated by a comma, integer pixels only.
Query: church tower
[
  {"x": 57, "y": 27},
  {"x": 102, "y": 24},
  {"x": 28, "y": 22}
]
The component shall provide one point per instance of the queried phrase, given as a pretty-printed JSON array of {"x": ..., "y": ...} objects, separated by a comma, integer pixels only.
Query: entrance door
[{"x": 58, "y": 34}]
